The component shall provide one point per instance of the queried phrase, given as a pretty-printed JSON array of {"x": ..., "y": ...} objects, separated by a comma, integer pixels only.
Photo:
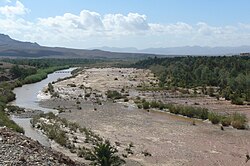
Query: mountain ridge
[
  {"x": 18, "y": 49},
  {"x": 13, "y": 48},
  {"x": 185, "y": 50}
]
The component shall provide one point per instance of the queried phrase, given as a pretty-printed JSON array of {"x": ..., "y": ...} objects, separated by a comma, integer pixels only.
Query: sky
[{"x": 127, "y": 23}]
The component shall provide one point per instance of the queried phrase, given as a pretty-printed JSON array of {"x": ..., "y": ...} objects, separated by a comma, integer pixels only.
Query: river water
[{"x": 28, "y": 96}]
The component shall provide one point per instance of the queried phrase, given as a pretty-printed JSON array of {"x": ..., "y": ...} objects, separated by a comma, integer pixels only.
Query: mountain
[
  {"x": 187, "y": 50},
  {"x": 6, "y": 41},
  {"x": 14, "y": 48}
]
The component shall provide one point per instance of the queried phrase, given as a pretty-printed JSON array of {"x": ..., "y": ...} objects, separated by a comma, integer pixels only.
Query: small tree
[{"x": 103, "y": 154}]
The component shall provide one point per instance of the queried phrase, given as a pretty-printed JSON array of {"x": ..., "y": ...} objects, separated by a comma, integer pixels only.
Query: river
[{"x": 28, "y": 96}]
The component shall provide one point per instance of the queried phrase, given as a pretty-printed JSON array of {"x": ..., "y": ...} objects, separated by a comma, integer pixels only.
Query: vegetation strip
[{"x": 237, "y": 120}]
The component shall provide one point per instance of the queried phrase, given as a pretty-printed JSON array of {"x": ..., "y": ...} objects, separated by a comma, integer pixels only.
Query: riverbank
[
  {"x": 7, "y": 95},
  {"x": 169, "y": 139},
  {"x": 16, "y": 149}
]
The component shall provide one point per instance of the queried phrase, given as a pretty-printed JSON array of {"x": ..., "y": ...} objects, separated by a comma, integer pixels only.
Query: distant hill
[
  {"x": 13, "y": 48},
  {"x": 188, "y": 50}
]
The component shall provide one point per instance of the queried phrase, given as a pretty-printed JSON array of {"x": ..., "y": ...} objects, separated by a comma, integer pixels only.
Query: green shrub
[
  {"x": 239, "y": 121},
  {"x": 113, "y": 95},
  {"x": 105, "y": 155},
  {"x": 237, "y": 101},
  {"x": 154, "y": 104},
  {"x": 145, "y": 105},
  {"x": 14, "y": 109},
  {"x": 5, "y": 121},
  {"x": 226, "y": 121},
  {"x": 214, "y": 117}
]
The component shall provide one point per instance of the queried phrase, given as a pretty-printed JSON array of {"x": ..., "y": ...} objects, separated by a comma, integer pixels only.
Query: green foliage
[
  {"x": 191, "y": 112},
  {"x": 41, "y": 74},
  {"x": 21, "y": 72},
  {"x": 214, "y": 118},
  {"x": 239, "y": 121},
  {"x": 230, "y": 74},
  {"x": 113, "y": 95},
  {"x": 14, "y": 109},
  {"x": 104, "y": 154},
  {"x": 50, "y": 62},
  {"x": 235, "y": 99},
  {"x": 226, "y": 121},
  {"x": 55, "y": 133},
  {"x": 145, "y": 105},
  {"x": 5, "y": 121}
]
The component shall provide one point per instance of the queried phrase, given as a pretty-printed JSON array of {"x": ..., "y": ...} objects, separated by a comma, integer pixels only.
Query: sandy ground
[{"x": 172, "y": 140}]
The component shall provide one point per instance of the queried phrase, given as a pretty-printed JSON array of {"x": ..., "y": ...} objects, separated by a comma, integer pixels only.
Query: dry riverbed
[{"x": 168, "y": 139}]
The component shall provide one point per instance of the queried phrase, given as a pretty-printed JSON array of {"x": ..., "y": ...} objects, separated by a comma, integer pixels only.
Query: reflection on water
[{"x": 27, "y": 97}]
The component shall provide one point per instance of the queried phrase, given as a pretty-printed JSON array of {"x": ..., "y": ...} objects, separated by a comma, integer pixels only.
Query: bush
[
  {"x": 139, "y": 106},
  {"x": 237, "y": 101},
  {"x": 154, "y": 104},
  {"x": 191, "y": 112},
  {"x": 5, "y": 121},
  {"x": 113, "y": 95},
  {"x": 105, "y": 155},
  {"x": 145, "y": 105},
  {"x": 14, "y": 109},
  {"x": 239, "y": 121},
  {"x": 226, "y": 121},
  {"x": 214, "y": 118}
]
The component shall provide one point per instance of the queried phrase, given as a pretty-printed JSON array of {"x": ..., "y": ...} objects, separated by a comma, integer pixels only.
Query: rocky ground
[
  {"x": 169, "y": 139},
  {"x": 16, "y": 149}
]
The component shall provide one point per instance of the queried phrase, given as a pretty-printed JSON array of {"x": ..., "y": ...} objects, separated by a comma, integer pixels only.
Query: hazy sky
[{"x": 127, "y": 23}]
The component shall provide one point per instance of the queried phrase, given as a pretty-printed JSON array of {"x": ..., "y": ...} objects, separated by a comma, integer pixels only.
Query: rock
[{"x": 17, "y": 149}]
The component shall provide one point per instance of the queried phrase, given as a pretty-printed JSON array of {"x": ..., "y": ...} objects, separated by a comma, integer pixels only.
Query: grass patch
[{"x": 6, "y": 121}]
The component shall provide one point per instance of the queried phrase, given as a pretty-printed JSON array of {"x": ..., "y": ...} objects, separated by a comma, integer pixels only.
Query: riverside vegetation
[
  {"x": 230, "y": 74},
  {"x": 236, "y": 120},
  {"x": 82, "y": 141},
  {"x": 26, "y": 71}
]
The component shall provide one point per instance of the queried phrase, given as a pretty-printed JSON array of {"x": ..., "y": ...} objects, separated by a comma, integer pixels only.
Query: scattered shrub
[
  {"x": 104, "y": 154},
  {"x": 239, "y": 121},
  {"x": 214, "y": 118},
  {"x": 5, "y": 121},
  {"x": 114, "y": 95},
  {"x": 226, "y": 121},
  {"x": 145, "y": 105},
  {"x": 237, "y": 101}
]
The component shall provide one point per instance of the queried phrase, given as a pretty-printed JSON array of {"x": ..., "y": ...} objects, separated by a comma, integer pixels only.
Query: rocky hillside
[{"x": 16, "y": 149}]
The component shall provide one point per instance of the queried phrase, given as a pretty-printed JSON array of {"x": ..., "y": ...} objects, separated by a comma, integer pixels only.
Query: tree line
[{"x": 230, "y": 73}]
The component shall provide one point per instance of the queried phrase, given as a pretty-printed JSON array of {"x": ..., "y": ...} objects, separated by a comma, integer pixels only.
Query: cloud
[
  {"x": 90, "y": 29},
  {"x": 10, "y": 11},
  {"x": 6, "y": 1},
  {"x": 119, "y": 23}
]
